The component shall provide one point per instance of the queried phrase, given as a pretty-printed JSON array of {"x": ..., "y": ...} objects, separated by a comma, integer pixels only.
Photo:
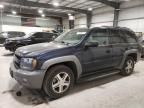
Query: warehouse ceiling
[{"x": 57, "y": 8}]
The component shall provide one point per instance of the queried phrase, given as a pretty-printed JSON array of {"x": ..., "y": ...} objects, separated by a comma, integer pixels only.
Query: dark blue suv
[{"x": 76, "y": 56}]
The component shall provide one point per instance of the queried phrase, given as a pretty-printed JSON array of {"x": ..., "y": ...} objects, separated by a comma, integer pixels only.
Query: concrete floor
[{"x": 111, "y": 92}]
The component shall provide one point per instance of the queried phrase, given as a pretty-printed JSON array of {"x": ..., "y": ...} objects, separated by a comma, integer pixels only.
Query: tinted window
[
  {"x": 130, "y": 37},
  {"x": 100, "y": 36},
  {"x": 47, "y": 35},
  {"x": 38, "y": 35},
  {"x": 115, "y": 37},
  {"x": 12, "y": 34}
]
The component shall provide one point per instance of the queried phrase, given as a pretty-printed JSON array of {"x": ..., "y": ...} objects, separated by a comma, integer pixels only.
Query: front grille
[{"x": 17, "y": 60}]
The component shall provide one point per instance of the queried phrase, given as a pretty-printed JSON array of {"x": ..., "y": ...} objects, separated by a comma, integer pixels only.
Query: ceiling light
[
  {"x": 1, "y": 6},
  {"x": 90, "y": 9},
  {"x": 43, "y": 15},
  {"x": 40, "y": 11},
  {"x": 71, "y": 18},
  {"x": 14, "y": 12},
  {"x": 56, "y": 4},
  {"x": 69, "y": 14}
]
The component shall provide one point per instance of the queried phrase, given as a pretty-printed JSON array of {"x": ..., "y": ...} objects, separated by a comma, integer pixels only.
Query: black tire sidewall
[{"x": 47, "y": 86}]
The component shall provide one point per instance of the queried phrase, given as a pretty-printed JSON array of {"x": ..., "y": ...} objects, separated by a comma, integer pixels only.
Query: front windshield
[{"x": 72, "y": 37}]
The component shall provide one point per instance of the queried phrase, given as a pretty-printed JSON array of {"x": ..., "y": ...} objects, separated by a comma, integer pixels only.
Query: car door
[
  {"x": 100, "y": 57},
  {"x": 119, "y": 45},
  {"x": 37, "y": 37},
  {"x": 48, "y": 37}
]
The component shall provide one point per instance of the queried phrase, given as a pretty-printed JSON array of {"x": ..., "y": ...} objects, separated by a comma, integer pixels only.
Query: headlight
[{"x": 28, "y": 63}]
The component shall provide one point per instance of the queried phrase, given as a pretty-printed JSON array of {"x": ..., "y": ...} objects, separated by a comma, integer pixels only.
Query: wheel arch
[
  {"x": 133, "y": 53},
  {"x": 70, "y": 61}
]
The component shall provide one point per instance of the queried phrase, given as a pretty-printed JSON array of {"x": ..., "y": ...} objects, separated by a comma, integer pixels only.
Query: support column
[
  {"x": 71, "y": 24},
  {"x": 89, "y": 19},
  {"x": 116, "y": 16},
  {"x": 1, "y": 20}
]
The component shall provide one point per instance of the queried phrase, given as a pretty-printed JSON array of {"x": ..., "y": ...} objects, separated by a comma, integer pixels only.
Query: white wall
[
  {"x": 66, "y": 23},
  {"x": 25, "y": 29},
  {"x": 132, "y": 15},
  {"x": 102, "y": 16},
  {"x": 47, "y": 22},
  {"x": 10, "y": 20},
  {"x": 80, "y": 21}
]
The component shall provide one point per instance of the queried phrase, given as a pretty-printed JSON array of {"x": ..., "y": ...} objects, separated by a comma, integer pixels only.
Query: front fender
[{"x": 62, "y": 59}]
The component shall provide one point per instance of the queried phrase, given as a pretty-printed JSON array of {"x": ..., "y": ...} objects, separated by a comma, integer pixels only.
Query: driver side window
[
  {"x": 37, "y": 35},
  {"x": 100, "y": 36}
]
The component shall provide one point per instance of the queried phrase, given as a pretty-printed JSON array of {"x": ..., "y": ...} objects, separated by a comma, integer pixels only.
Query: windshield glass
[{"x": 72, "y": 37}]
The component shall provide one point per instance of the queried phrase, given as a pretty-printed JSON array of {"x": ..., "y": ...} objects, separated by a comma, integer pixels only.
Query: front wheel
[
  {"x": 58, "y": 81},
  {"x": 128, "y": 66}
]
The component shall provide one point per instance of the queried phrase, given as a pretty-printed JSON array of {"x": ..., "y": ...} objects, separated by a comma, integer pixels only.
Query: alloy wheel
[
  {"x": 61, "y": 82},
  {"x": 129, "y": 66}
]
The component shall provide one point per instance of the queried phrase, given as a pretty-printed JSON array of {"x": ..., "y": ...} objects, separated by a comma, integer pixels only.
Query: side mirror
[{"x": 91, "y": 44}]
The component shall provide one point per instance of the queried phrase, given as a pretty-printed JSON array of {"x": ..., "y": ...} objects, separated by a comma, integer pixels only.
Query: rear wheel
[
  {"x": 128, "y": 67},
  {"x": 58, "y": 81}
]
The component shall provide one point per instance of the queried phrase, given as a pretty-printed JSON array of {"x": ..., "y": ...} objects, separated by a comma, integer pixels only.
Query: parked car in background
[
  {"x": 143, "y": 49},
  {"x": 76, "y": 56},
  {"x": 10, "y": 34},
  {"x": 36, "y": 37}
]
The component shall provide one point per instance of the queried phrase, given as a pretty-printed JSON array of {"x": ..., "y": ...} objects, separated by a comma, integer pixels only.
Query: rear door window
[
  {"x": 47, "y": 35},
  {"x": 38, "y": 35},
  {"x": 115, "y": 37},
  {"x": 15, "y": 34}
]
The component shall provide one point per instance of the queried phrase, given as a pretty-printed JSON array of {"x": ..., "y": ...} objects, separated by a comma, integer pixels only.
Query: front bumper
[{"x": 29, "y": 79}]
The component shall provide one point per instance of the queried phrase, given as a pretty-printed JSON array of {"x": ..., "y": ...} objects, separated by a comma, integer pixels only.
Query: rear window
[
  {"x": 12, "y": 34},
  {"x": 38, "y": 35},
  {"x": 131, "y": 37},
  {"x": 48, "y": 35}
]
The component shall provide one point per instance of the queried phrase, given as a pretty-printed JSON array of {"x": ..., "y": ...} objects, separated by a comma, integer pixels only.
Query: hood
[{"x": 35, "y": 49}]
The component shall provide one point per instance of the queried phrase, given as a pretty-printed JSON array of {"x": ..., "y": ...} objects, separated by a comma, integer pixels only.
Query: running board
[{"x": 96, "y": 76}]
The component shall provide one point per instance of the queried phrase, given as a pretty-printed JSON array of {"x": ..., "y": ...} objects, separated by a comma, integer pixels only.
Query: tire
[
  {"x": 128, "y": 66},
  {"x": 54, "y": 84}
]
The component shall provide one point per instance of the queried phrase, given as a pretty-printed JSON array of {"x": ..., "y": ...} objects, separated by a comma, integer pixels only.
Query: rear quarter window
[{"x": 131, "y": 37}]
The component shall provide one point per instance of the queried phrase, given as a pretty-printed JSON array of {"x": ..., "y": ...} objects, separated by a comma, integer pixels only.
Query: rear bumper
[{"x": 29, "y": 79}]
